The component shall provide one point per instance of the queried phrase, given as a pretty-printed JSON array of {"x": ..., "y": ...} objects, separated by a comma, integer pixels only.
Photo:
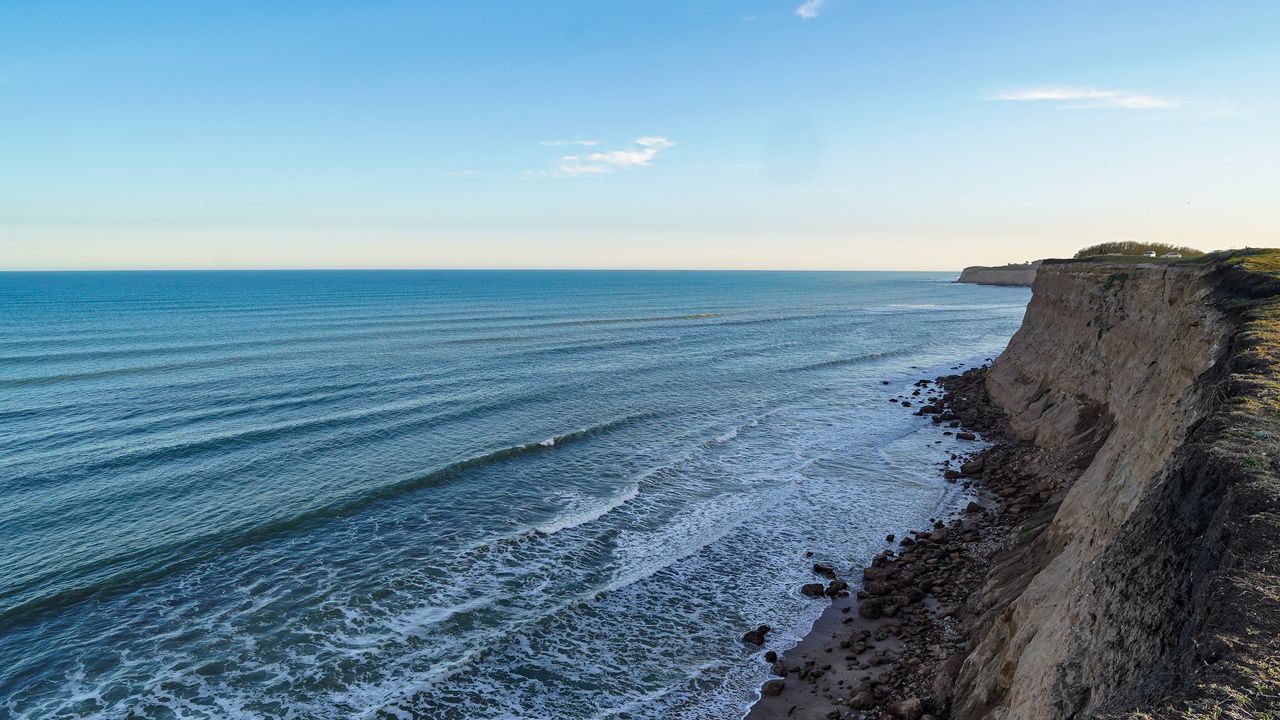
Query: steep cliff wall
[
  {"x": 1153, "y": 578},
  {"x": 1017, "y": 275}
]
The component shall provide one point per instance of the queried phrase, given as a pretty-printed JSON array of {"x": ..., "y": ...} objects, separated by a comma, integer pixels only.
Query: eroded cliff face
[
  {"x": 1104, "y": 603},
  {"x": 1014, "y": 275}
]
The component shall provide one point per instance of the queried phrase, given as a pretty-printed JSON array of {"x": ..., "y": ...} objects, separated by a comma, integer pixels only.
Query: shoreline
[{"x": 891, "y": 642}]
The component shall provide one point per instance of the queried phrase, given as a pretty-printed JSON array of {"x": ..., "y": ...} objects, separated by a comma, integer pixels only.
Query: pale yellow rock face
[
  {"x": 1106, "y": 359},
  {"x": 1019, "y": 275}
]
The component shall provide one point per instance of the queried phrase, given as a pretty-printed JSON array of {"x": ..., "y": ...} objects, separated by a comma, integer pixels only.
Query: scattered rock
[
  {"x": 756, "y": 637},
  {"x": 812, "y": 589},
  {"x": 869, "y": 609},
  {"x": 911, "y": 709},
  {"x": 772, "y": 688},
  {"x": 863, "y": 700},
  {"x": 824, "y": 569}
]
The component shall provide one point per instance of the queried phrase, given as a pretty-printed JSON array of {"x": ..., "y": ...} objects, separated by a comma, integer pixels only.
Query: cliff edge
[
  {"x": 1150, "y": 584},
  {"x": 1020, "y": 275}
]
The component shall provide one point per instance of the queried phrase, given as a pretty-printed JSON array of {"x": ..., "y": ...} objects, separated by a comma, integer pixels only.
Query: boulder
[
  {"x": 863, "y": 700},
  {"x": 911, "y": 709},
  {"x": 869, "y": 609},
  {"x": 944, "y": 683},
  {"x": 877, "y": 587},
  {"x": 773, "y": 688},
  {"x": 812, "y": 589},
  {"x": 756, "y": 637},
  {"x": 824, "y": 569}
]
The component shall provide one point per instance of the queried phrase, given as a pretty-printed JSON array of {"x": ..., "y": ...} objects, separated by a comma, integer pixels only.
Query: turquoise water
[{"x": 448, "y": 494}]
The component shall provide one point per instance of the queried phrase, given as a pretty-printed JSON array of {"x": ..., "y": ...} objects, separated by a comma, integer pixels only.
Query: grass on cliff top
[
  {"x": 1248, "y": 688},
  {"x": 1246, "y": 684},
  {"x": 1256, "y": 260},
  {"x": 1256, "y": 701}
]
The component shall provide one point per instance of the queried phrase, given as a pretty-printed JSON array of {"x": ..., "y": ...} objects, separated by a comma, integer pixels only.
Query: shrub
[{"x": 1136, "y": 248}]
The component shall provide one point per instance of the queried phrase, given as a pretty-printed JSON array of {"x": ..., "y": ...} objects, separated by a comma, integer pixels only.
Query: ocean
[{"x": 450, "y": 494}]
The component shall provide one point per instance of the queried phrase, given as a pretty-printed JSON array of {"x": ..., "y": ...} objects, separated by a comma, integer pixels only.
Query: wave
[
  {"x": 604, "y": 345},
  {"x": 591, "y": 514},
  {"x": 148, "y": 423},
  {"x": 115, "y": 353},
  {"x": 620, "y": 321},
  {"x": 121, "y": 573},
  {"x": 856, "y": 360},
  {"x": 730, "y": 434},
  {"x": 771, "y": 319},
  {"x": 36, "y": 380},
  {"x": 240, "y": 438}
]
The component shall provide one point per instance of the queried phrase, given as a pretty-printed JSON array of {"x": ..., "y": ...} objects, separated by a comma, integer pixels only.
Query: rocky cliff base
[{"x": 1122, "y": 556}]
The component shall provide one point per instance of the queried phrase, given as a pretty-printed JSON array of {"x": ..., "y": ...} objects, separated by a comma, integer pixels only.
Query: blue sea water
[{"x": 449, "y": 494}]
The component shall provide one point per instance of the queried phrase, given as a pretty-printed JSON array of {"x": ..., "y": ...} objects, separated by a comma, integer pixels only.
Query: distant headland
[
  {"x": 1023, "y": 274},
  {"x": 1018, "y": 274}
]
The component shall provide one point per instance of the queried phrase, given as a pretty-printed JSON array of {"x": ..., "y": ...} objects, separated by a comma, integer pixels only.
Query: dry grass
[{"x": 1244, "y": 682}]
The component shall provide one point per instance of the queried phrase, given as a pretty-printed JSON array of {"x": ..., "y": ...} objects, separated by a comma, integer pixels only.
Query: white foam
[{"x": 590, "y": 514}]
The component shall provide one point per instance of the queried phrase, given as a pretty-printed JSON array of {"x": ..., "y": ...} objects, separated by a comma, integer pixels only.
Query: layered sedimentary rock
[
  {"x": 1017, "y": 275},
  {"x": 1152, "y": 580}
]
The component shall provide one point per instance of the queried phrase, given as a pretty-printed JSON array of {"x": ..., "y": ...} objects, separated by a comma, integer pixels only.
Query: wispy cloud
[
  {"x": 641, "y": 154},
  {"x": 565, "y": 143},
  {"x": 1088, "y": 98},
  {"x": 809, "y": 9}
]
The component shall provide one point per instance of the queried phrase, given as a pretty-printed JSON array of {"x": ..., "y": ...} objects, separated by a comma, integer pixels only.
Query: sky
[{"x": 774, "y": 134}]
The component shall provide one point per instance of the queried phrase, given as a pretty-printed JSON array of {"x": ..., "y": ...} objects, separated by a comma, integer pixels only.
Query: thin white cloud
[
  {"x": 565, "y": 143},
  {"x": 641, "y": 154},
  {"x": 1087, "y": 98},
  {"x": 809, "y": 9}
]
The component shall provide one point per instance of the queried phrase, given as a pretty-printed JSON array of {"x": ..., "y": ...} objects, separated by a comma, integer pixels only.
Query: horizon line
[{"x": 455, "y": 269}]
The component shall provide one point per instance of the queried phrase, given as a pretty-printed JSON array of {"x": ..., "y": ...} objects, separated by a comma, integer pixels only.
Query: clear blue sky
[{"x": 693, "y": 133}]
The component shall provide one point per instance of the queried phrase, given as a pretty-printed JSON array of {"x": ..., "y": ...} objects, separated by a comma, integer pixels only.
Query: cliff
[
  {"x": 1149, "y": 585},
  {"x": 1018, "y": 275}
]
